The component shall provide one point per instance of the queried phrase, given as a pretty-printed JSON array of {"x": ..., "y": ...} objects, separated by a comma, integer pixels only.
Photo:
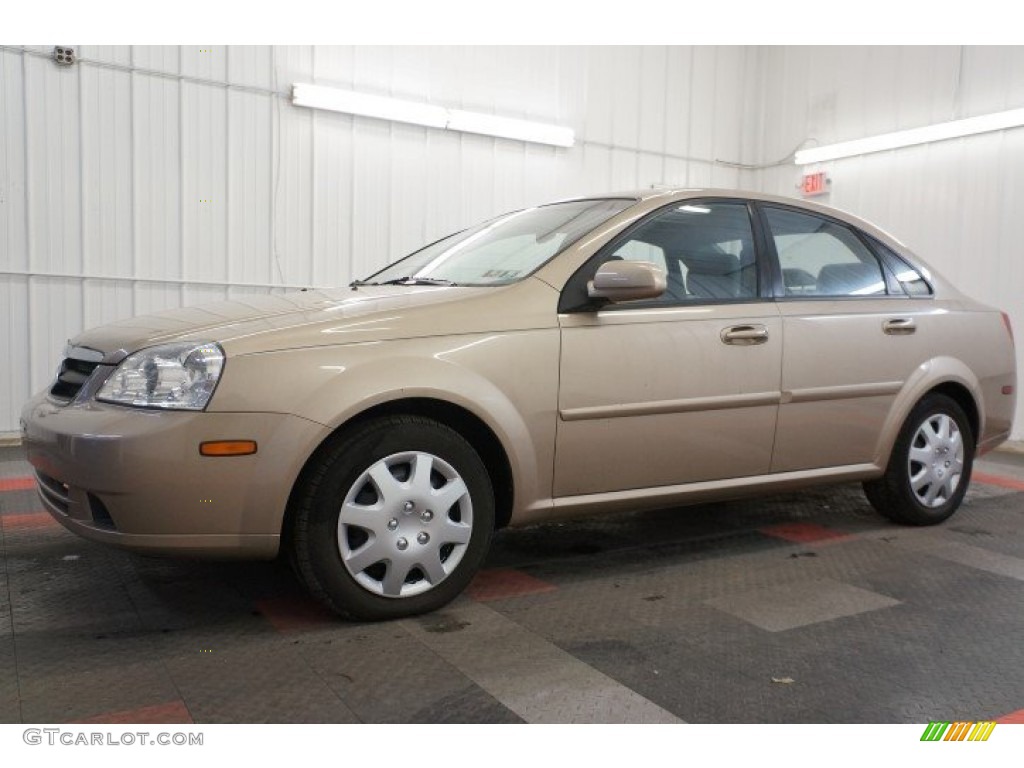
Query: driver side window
[{"x": 706, "y": 250}]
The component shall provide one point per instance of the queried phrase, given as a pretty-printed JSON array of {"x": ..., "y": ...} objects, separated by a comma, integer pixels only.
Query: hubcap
[
  {"x": 936, "y": 460},
  {"x": 405, "y": 524}
]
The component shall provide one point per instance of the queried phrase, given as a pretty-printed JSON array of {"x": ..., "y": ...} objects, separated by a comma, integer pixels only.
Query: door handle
[
  {"x": 745, "y": 335},
  {"x": 899, "y": 326}
]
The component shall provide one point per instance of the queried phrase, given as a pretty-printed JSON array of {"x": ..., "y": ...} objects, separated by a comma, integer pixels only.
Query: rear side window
[{"x": 819, "y": 257}]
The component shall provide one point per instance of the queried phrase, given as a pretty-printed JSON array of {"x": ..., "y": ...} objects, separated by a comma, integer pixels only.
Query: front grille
[{"x": 72, "y": 376}]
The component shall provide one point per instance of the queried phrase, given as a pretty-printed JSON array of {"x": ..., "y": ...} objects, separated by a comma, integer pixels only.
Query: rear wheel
[
  {"x": 393, "y": 519},
  {"x": 930, "y": 466}
]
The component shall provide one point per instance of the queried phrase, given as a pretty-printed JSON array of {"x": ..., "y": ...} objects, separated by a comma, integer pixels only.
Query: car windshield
[{"x": 502, "y": 250}]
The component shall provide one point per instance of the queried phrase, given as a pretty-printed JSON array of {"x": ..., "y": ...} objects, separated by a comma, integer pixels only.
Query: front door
[{"x": 681, "y": 389}]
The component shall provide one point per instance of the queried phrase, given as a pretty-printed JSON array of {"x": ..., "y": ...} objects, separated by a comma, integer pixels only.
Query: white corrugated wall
[
  {"x": 957, "y": 203},
  {"x": 150, "y": 177},
  {"x": 143, "y": 178}
]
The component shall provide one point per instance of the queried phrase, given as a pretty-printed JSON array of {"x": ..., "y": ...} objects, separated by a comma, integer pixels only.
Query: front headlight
[{"x": 179, "y": 376}]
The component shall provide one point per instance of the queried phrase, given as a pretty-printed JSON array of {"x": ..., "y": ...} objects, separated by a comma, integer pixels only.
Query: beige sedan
[{"x": 611, "y": 353}]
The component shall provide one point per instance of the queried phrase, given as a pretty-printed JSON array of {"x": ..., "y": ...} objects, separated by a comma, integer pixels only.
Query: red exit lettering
[{"x": 815, "y": 184}]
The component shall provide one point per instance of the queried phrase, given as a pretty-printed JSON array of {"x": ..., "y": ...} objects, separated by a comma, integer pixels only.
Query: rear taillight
[{"x": 1006, "y": 322}]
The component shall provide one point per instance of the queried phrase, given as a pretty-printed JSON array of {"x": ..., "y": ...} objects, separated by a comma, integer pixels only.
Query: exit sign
[{"x": 814, "y": 184}]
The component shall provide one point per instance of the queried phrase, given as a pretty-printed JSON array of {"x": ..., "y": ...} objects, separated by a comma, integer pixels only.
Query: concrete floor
[{"x": 803, "y": 608}]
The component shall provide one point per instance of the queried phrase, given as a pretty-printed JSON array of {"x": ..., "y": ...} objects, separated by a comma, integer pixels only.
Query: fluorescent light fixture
[
  {"x": 381, "y": 107},
  {"x": 509, "y": 128},
  {"x": 418, "y": 113},
  {"x": 996, "y": 121},
  {"x": 694, "y": 209}
]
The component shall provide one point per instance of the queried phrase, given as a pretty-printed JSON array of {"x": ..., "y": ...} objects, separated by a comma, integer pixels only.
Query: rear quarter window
[{"x": 909, "y": 277}]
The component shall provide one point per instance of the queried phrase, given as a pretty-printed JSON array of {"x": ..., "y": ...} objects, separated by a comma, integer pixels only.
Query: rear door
[
  {"x": 681, "y": 389},
  {"x": 852, "y": 337}
]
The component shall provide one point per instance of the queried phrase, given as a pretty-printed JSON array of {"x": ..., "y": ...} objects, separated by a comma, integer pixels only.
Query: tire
[
  {"x": 392, "y": 519},
  {"x": 930, "y": 466}
]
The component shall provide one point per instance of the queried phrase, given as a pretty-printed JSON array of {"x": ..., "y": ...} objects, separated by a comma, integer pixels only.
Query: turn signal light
[{"x": 227, "y": 447}]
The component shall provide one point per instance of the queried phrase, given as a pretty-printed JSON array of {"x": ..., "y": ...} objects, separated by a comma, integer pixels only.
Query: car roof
[{"x": 669, "y": 194}]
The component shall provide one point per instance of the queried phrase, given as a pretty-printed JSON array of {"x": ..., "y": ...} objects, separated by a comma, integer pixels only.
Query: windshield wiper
[{"x": 416, "y": 281}]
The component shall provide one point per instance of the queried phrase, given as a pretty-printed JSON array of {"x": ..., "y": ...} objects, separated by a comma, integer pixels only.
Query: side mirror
[{"x": 622, "y": 280}]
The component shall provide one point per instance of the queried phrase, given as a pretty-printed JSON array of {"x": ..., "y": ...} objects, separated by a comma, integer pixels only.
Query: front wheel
[
  {"x": 930, "y": 466},
  {"x": 393, "y": 519}
]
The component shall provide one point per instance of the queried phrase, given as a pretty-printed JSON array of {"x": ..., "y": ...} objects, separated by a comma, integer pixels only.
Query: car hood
[{"x": 331, "y": 316}]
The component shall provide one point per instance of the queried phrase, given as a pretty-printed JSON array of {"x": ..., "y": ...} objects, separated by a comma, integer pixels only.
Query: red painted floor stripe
[
  {"x": 1012, "y": 717},
  {"x": 295, "y": 614},
  {"x": 499, "y": 583},
  {"x": 803, "y": 533},
  {"x": 17, "y": 483},
  {"x": 28, "y": 521},
  {"x": 171, "y": 712},
  {"x": 1002, "y": 482}
]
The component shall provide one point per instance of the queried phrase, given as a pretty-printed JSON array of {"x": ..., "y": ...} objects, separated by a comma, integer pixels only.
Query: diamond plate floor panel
[
  {"x": 271, "y": 685},
  {"x": 802, "y": 607},
  {"x": 387, "y": 676},
  {"x": 789, "y": 606},
  {"x": 537, "y": 680}
]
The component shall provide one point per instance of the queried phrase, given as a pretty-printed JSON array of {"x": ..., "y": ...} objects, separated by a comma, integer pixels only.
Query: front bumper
[{"x": 134, "y": 478}]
